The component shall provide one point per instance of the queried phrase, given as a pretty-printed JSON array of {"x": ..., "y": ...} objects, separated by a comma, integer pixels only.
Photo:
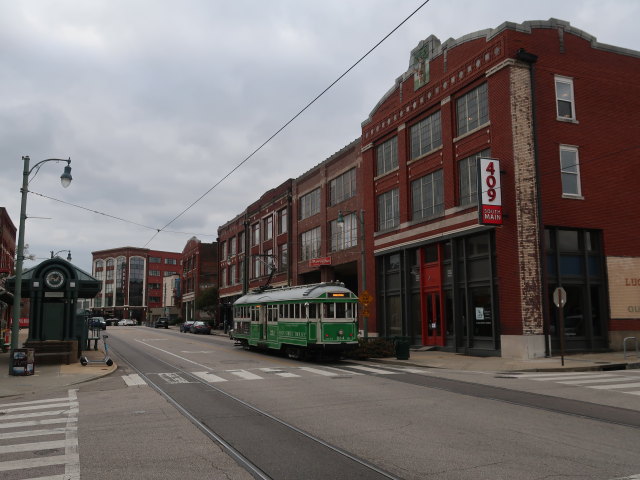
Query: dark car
[
  {"x": 186, "y": 326},
  {"x": 162, "y": 322},
  {"x": 201, "y": 327},
  {"x": 97, "y": 322}
]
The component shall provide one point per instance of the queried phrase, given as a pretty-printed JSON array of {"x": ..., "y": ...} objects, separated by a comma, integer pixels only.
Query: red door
[{"x": 433, "y": 328}]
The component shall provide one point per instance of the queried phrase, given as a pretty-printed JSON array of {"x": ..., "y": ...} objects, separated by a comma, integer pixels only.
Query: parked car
[
  {"x": 112, "y": 321},
  {"x": 186, "y": 326},
  {"x": 126, "y": 321},
  {"x": 98, "y": 322},
  {"x": 162, "y": 322},
  {"x": 201, "y": 327}
]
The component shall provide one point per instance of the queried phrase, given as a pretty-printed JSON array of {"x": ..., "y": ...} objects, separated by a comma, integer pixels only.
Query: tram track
[{"x": 324, "y": 460}]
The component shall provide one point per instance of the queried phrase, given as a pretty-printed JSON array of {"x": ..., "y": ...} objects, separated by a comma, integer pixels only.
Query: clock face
[{"x": 54, "y": 279}]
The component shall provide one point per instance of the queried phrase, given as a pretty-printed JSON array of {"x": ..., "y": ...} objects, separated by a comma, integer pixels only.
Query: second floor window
[
  {"x": 310, "y": 204},
  {"x": 268, "y": 228},
  {"x": 387, "y": 156},
  {"x": 344, "y": 234},
  {"x": 473, "y": 109},
  {"x": 389, "y": 210},
  {"x": 255, "y": 234},
  {"x": 427, "y": 196},
  {"x": 570, "y": 171},
  {"x": 426, "y": 135},
  {"x": 283, "y": 257},
  {"x": 565, "y": 105},
  {"x": 310, "y": 244},
  {"x": 468, "y": 178},
  {"x": 282, "y": 221},
  {"x": 342, "y": 187}
]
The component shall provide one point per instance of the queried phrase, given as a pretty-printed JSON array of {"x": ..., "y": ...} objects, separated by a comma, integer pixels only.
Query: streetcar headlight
[{"x": 341, "y": 332}]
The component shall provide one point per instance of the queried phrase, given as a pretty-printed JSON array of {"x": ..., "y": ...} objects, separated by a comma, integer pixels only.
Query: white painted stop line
[
  {"x": 208, "y": 377},
  {"x": 133, "y": 380}
]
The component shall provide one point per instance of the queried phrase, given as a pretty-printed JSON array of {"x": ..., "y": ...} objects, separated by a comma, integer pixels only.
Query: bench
[{"x": 52, "y": 348}]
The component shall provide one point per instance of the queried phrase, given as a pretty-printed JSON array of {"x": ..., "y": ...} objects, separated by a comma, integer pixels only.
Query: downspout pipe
[{"x": 531, "y": 59}]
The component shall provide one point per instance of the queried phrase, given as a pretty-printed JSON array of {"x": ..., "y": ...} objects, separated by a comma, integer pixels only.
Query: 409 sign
[{"x": 489, "y": 192}]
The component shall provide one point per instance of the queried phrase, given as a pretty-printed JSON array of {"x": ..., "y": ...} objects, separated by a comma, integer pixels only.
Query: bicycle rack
[{"x": 624, "y": 346}]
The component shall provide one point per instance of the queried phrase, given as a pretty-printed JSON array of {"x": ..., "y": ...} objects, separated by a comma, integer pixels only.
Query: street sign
[
  {"x": 365, "y": 298},
  {"x": 559, "y": 297}
]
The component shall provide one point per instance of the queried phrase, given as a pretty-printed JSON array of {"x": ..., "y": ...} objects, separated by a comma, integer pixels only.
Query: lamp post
[
  {"x": 60, "y": 251},
  {"x": 340, "y": 222},
  {"x": 65, "y": 179}
]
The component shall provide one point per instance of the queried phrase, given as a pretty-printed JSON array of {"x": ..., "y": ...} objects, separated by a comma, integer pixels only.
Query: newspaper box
[{"x": 22, "y": 361}]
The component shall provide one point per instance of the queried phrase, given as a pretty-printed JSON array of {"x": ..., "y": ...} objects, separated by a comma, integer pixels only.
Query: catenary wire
[{"x": 291, "y": 120}]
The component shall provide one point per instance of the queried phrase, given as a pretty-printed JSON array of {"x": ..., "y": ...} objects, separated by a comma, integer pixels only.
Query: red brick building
[
  {"x": 199, "y": 272},
  {"x": 558, "y": 114},
  {"x": 7, "y": 266},
  {"x": 132, "y": 281}
]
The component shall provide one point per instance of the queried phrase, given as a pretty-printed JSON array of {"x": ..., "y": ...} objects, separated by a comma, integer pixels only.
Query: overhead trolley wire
[{"x": 291, "y": 120}]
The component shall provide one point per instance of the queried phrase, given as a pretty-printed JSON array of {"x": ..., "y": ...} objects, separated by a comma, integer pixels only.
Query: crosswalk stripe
[
  {"x": 34, "y": 402},
  {"x": 133, "y": 380},
  {"x": 621, "y": 385},
  {"x": 29, "y": 447},
  {"x": 36, "y": 407},
  {"x": 319, "y": 372},
  {"x": 279, "y": 372},
  {"x": 554, "y": 374},
  {"x": 208, "y": 377},
  {"x": 597, "y": 380},
  {"x": 564, "y": 377},
  {"x": 38, "y": 414},
  {"x": 33, "y": 423},
  {"x": 345, "y": 372},
  {"x": 372, "y": 370},
  {"x": 637, "y": 392},
  {"x": 37, "y": 462},
  {"x": 245, "y": 375},
  {"x": 33, "y": 433}
]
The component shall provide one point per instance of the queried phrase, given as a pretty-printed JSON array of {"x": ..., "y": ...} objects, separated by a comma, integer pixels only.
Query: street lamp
[
  {"x": 340, "y": 222},
  {"x": 60, "y": 251},
  {"x": 65, "y": 179}
]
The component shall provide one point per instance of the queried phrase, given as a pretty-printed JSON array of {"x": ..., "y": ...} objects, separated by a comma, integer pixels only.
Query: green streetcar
[{"x": 306, "y": 320}]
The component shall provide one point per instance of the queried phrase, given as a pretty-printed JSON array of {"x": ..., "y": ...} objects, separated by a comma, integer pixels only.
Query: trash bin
[{"x": 402, "y": 345}]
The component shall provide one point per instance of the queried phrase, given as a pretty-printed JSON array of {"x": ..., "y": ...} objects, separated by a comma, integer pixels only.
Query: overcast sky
[{"x": 155, "y": 101}]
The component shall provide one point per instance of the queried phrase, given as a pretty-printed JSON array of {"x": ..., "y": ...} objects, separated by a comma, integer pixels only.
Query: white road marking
[
  {"x": 35, "y": 407},
  {"x": 279, "y": 372},
  {"x": 32, "y": 423},
  {"x": 610, "y": 379},
  {"x": 133, "y": 380},
  {"x": 33, "y": 433},
  {"x": 319, "y": 372},
  {"x": 34, "y": 402},
  {"x": 372, "y": 370},
  {"x": 622, "y": 385},
  {"x": 172, "y": 378},
  {"x": 35, "y": 462},
  {"x": 245, "y": 375},
  {"x": 208, "y": 377},
  {"x": 28, "y": 447}
]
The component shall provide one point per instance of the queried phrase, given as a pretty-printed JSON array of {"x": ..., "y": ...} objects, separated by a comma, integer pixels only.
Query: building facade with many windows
[
  {"x": 468, "y": 258},
  {"x": 132, "y": 281},
  {"x": 199, "y": 272}
]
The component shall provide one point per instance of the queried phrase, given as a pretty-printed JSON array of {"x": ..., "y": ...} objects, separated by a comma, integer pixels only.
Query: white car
[{"x": 126, "y": 321}]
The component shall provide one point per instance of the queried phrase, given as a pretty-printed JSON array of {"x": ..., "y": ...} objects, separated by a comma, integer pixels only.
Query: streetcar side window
[
  {"x": 313, "y": 310},
  {"x": 297, "y": 310}
]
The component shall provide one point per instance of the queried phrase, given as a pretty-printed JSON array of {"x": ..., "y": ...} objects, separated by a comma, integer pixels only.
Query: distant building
[
  {"x": 132, "y": 281},
  {"x": 200, "y": 271},
  {"x": 171, "y": 297},
  {"x": 7, "y": 269}
]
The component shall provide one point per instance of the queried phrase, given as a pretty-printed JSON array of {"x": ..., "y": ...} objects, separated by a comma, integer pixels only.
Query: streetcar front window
[
  {"x": 329, "y": 310},
  {"x": 341, "y": 310}
]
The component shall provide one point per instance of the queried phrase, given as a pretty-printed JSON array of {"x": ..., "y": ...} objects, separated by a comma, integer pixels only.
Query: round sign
[
  {"x": 559, "y": 297},
  {"x": 54, "y": 279}
]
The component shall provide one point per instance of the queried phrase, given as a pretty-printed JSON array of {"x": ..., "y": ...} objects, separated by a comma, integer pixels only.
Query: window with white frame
[
  {"x": 233, "y": 275},
  {"x": 570, "y": 171},
  {"x": 257, "y": 267},
  {"x": 426, "y": 135},
  {"x": 344, "y": 234},
  {"x": 387, "y": 156},
  {"x": 342, "y": 187},
  {"x": 468, "y": 178},
  {"x": 473, "y": 109},
  {"x": 170, "y": 261},
  {"x": 223, "y": 250},
  {"x": 267, "y": 225},
  {"x": 427, "y": 196},
  {"x": 310, "y": 204},
  {"x": 232, "y": 246},
  {"x": 241, "y": 242},
  {"x": 283, "y": 257},
  {"x": 223, "y": 275},
  {"x": 565, "y": 105},
  {"x": 269, "y": 260},
  {"x": 310, "y": 244},
  {"x": 389, "y": 210}
]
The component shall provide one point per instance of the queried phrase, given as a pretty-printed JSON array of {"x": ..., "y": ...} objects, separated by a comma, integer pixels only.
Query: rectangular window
[
  {"x": 564, "y": 98},
  {"x": 283, "y": 257},
  {"x": 267, "y": 225},
  {"x": 257, "y": 271},
  {"x": 282, "y": 221},
  {"x": 233, "y": 278},
  {"x": 570, "y": 171},
  {"x": 232, "y": 246},
  {"x": 426, "y": 135},
  {"x": 223, "y": 250},
  {"x": 427, "y": 196},
  {"x": 170, "y": 261},
  {"x": 468, "y": 178},
  {"x": 241, "y": 242},
  {"x": 223, "y": 279},
  {"x": 269, "y": 260},
  {"x": 473, "y": 109},
  {"x": 342, "y": 187},
  {"x": 154, "y": 273},
  {"x": 387, "y": 156},
  {"x": 310, "y": 204},
  {"x": 310, "y": 244},
  {"x": 389, "y": 210},
  {"x": 344, "y": 234},
  {"x": 255, "y": 234},
  {"x": 155, "y": 260}
]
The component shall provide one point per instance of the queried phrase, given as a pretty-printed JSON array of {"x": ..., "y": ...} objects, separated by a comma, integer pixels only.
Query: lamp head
[{"x": 66, "y": 177}]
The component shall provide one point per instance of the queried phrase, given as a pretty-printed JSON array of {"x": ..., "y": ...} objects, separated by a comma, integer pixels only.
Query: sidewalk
[{"x": 54, "y": 376}]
